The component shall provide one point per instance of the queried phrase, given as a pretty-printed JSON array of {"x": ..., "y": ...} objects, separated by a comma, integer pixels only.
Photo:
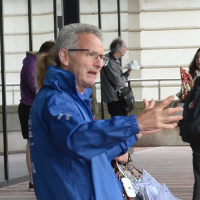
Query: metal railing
[
  {"x": 158, "y": 80},
  {"x": 98, "y": 82},
  {"x": 153, "y": 79},
  {"x": 13, "y": 90},
  {"x": 141, "y": 80}
]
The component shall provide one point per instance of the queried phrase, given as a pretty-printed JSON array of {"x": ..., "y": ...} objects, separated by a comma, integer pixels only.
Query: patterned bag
[
  {"x": 127, "y": 171},
  {"x": 145, "y": 186},
  {"x": 186, "y": 84}
]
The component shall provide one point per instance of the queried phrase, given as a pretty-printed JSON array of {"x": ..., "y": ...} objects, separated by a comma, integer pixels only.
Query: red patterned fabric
[{"x": 186, "y": 83}]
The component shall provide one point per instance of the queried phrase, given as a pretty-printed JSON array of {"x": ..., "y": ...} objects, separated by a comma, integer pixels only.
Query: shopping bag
[
  {"x": 150, "y": 189},
  {"x": 131, "y": 172},
  {"x": 151, "y": 184},
  {"x": 165, "y": 194},
  {"x": 146, "y": 187},
  {"x": 123, "y": 171},
  {"x": 143, "y": 193}
]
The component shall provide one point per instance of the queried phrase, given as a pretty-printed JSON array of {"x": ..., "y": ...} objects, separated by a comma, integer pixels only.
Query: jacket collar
[
  {"x": 112, "y": 57},
  {"x": 59, "y": 78}
]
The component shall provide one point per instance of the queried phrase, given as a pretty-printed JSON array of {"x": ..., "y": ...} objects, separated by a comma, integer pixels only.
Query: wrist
[
  {"x": 139, "y": 135},
  {"x": 128, "y": 71}
]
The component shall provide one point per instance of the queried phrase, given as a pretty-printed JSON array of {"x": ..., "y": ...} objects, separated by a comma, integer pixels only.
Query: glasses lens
[{"x": 92, "y": 55}]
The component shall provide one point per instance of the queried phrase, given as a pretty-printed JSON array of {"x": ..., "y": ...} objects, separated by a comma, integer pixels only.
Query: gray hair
[
  {"x": 116, "y": 45},
  {"x": 69, "y": 36}
]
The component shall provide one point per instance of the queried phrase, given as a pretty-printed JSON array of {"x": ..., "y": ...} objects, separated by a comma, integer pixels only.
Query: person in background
[
  {"x": 71, "y": 152},
  {"x": 113, "y": 78},
  {"x": 194, "y": 70},
  {"x": 194, "y": 67},
  {"x": 28, "y": 92}
]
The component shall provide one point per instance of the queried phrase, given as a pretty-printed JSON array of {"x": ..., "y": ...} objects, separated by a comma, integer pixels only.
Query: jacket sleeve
[
  {"x": 29, "y": 75},
  {"x": 76, "y": 137},
  {"x": 122, "y": 148},
  {"x": 115, "y": 74}
]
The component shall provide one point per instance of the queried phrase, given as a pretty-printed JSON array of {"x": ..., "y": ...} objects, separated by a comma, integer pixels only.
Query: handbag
[
  {"x": 127, "y": 173},
  {"x": 145, "y": 186},
  {"x": 186, "y": 84},
  {"x": 125, "y": 96},
  {"x": 126, "y": 99}
]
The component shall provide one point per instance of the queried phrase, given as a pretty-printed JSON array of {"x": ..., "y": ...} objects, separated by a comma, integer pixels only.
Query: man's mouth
[{"x": 92, "y": 73}]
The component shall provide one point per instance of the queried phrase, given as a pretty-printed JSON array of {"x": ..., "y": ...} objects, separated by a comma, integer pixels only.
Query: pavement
[{"x": 169, "y": 165}]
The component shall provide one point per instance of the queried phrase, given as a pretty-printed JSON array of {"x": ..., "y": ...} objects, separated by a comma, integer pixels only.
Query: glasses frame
[{"x": 102, "y": 57}]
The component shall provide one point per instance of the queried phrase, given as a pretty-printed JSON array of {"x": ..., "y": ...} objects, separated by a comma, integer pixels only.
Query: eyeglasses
[{"x": 93, "y": 55}]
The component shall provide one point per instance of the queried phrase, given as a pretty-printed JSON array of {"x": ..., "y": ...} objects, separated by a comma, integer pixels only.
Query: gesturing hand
[{"x": 153, "y": 117}]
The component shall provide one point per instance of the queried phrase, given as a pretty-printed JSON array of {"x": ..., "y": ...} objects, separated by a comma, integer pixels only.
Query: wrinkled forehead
[{"x": 90, "y": 41}]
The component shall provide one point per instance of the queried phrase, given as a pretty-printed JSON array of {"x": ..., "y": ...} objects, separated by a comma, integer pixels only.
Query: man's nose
[{"x": 99, "y": 62}]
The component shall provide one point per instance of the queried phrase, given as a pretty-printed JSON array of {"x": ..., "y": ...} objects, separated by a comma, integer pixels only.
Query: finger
[
  {"x": 175, "y": 124},
  {"x": 169, "y": 126},
  {"x": 152, "y": 103},
  {"x": 170, "y": 111},
  {"x": 168, "y": 120},
  {"x": 164, "y": 102},
  {"x": 171, "y": 119},
  {"x": 146, "y": 104},
  {"x": 149, "y": 132}
]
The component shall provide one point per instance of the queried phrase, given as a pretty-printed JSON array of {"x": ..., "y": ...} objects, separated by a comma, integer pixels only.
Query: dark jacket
[{"x": 112, "y": 79}]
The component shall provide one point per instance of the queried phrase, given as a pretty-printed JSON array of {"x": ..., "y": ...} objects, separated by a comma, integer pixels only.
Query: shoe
[{"x": 31, "y": 187}]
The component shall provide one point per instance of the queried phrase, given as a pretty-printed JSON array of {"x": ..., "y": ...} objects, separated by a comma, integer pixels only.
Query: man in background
[
  {"x": 28, "y": 92},
  {"x": 113, "y": 78}
]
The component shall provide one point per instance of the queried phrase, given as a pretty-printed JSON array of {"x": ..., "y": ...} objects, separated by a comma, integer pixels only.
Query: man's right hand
[
  {"x": 129, "y": 71},
  {"x": 153, "y": 117}
]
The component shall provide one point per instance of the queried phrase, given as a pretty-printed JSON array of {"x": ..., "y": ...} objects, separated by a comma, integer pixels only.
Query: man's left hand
[{"x": 122, "y": 159}]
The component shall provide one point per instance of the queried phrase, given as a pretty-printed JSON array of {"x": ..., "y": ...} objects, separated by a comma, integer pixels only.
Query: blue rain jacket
[{"x": 71, "y": 153}]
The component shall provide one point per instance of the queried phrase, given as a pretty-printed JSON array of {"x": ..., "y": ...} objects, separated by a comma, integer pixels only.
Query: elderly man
[
  {"x": 113, "y": 78},
  {"x": 70, "y": 152}
]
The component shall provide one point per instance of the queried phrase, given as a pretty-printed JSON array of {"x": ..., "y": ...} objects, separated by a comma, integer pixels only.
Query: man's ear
[{"x": 64, "y": 57}]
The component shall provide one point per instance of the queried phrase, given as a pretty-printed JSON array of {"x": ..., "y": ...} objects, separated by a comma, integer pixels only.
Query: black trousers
[
  {"x": 115, "y": 109},
  {"x": 196, "y": 170},
  {"x": 23, "y": 112}
]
